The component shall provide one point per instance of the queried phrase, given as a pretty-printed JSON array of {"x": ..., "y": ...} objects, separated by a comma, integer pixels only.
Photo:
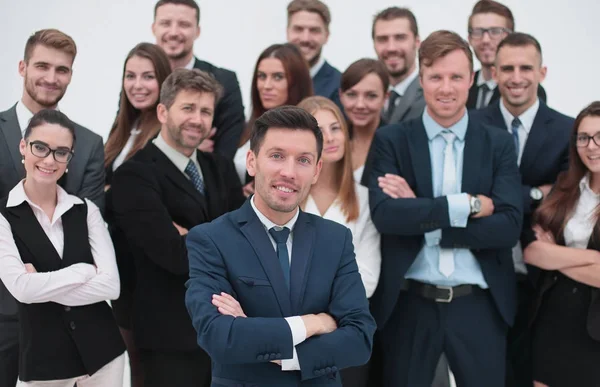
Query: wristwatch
[
  {"x": 475, "y": 204},
  {"x": 536, "y": 196}
]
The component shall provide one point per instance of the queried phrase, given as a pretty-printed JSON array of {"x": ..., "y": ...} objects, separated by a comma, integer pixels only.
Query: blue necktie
[
  {"x": 514, "y": 127},
  {"x": 281, "y": 238},
  {"x": 194, "y": 176}
]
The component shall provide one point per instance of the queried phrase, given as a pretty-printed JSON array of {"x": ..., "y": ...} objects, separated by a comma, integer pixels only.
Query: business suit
[
  {"x": 326, "y": 83},
  {"x": 545, "y": 155},
  {"x": 229, "y": 113},
  {"x": 489, "y": 168},
  {"x": 147, "y": 195},
  {"x": 234, "y": 255},
  {"x": 474, "y": 92},
  {"x": 411, "y": 104},
  {"x": 85, "y": 179}
]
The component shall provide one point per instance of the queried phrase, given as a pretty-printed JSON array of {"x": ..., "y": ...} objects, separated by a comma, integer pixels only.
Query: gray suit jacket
[
  {"x": 85, "y": 178},
  {"x": 411, "y": 105}
]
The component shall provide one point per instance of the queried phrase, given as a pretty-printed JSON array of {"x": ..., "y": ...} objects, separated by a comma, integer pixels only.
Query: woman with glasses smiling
[
  {"x": 566, "y": 327},
  {"x": 57, "y": 260}
]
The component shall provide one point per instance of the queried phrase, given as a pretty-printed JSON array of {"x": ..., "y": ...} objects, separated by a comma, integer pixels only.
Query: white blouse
[
  {"x": 125, "y": 151},
  {"x": 365, "y": 237},
  {"x": 358, "y": 172},
  {"x": 75, "y": 285},
  {"x": 579, "y": 228},
  {"x": 239, "y": 160}
]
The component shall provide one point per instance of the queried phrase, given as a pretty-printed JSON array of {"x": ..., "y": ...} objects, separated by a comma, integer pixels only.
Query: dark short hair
[
  {"x": 313, "y": 6},
  {"x": 393, "y": 13},
  {"x": 50, "y": 116},
  {"x": 285, "y": 117},
  {"x": 491, "y": 6},
  {"x": 520, "y": 39},
  {"x": 190, "y": 3},
  {"x": 441, "y": 43},
  {"x": 189, "y": 80},
  {"x": 360, "y": 69}
]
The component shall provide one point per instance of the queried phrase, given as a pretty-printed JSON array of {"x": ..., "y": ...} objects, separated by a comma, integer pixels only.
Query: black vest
[{"x": 57, "y": 341}]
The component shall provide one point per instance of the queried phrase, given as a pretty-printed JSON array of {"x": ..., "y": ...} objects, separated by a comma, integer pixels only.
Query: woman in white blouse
[
  {"x": 566, "y": 327},
  {"x": 57, "y": 260}
]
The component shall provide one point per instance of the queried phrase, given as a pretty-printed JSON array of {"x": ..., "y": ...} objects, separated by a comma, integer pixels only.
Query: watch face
[
  {"x": 477, "y": 205},
  {"x": 536, "y": 194}
]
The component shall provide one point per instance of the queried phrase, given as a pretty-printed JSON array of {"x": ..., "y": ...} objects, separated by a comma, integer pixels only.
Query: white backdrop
[{"x": 234, "y": 32}]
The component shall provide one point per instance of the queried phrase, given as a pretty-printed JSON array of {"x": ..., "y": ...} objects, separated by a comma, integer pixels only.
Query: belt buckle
[{"x": 450, "y": 294}]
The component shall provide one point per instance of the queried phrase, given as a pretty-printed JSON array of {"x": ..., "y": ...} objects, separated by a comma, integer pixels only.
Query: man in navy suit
[
  {"x": 442, "y": 194},
  {"x": 308, "y": 28},
  {"x": 274, "y": 293},
  {"x": 541, "y": 137}
]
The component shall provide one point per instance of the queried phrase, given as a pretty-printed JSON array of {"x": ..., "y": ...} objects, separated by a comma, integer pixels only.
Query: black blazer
[
  {"x": 474, "y": 90},
  {"x": 326, "y": 83},
  {"x": 229, "y": 113},
  {"x": 148, "y": 194},
  {"x": 489, "y": 168}
]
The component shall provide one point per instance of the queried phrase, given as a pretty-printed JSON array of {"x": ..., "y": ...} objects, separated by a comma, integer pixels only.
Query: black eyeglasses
[
  {"x": 582, "y": 140},
  {"x": 494, "y": 32},
  {"x": 42, "y": 150}
]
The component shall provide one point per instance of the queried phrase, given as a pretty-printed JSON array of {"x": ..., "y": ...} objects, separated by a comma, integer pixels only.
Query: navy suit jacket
[
  {"x": 489, "y": 168},
  {"x": 474, "y": 91},
  {"x": 326, "y": 83},
  {"x": 233, "y": 254}
]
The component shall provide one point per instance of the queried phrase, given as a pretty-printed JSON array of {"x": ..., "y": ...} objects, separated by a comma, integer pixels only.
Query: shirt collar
[
  {"x": 24, "y": 115},
  {"x": 267, "y": 223},
  {"x": 433, "y": 128},
  {"x": 526, "y": 118},
  {"x": 480, "y": 81},
  {"x": 179, "y": 159},
  {"x": 317, "y": 67},
  {"x": 64, "y": 201},
  {"x": 191, "y": 63},
  {"x": 401, "y": 87},
  {"x": 584, "y": 185}
]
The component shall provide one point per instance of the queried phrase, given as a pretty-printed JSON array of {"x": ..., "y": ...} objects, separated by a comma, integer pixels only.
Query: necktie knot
[
  {"x": 449, "y": 137},
  {"x": 194, "y": 176},
  {"x": 516, "y": 122},
  {"x": 280, "y": 236}
]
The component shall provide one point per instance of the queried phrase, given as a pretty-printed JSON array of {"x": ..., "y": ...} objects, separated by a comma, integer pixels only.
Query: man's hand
[
  {"x": 545, "y": 189},
  {"x": 248, "y": 189},
  {"x": 30, "y": 268},
  {"x": 182, "y": 231},
  {"x": 208, "y": 145},
  {"x": 487, "y": 207},
  {"x": 395, "y": 186},
  {"x": 227, "y": 305},
  {"x": 543, "y": 236},
  {"x": 318, "y": 324}
]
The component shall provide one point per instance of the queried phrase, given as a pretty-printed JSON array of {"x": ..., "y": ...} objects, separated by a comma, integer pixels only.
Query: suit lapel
[
  {"x": 421, "y": 160},
  {"x": 211, "y": 189},
  {"x": 303, "y": 242},
  {"x": 12, "y": 132},
  {"x": 256, "y": 234},
  {"x": 472, "y": 156},
  {"x": 494, "y": 116},
  {"x": 473, "y": 91},
  {"x": 536, "y": 138},
  {"x": 412, "y": 93}
]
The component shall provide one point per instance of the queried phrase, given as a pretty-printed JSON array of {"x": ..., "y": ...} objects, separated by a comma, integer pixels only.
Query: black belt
[{"x": 437, "y": 293}]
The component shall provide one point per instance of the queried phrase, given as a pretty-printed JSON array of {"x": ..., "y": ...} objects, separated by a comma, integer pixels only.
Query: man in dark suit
[
  {"x": 46, "y": 70},
  {"x": 176, "y": 26},
  {"x": 442, "y": 194},
  {"x": 489, "y": 23},
  {"x": 541, "y": 137},
  {"x": 308, "y": 28},
  {"x": 396, "y": 42},
  {"x": 165, "y": 189},
  {"x": 274, "y": 293}
]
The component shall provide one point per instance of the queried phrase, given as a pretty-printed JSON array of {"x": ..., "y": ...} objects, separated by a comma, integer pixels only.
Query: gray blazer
[
  {"x": 85, "y": 178},
  {"x": 411, "y": 105}
]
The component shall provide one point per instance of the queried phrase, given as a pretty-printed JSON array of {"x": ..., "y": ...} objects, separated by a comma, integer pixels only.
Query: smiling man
[{"x": 165, "y": 189}]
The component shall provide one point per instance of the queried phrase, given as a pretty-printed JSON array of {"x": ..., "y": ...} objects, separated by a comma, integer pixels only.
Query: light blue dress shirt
[{"x": 425, "y": 268}]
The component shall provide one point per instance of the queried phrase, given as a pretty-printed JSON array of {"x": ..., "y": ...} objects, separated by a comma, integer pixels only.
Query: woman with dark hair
[
  {"x": 281, "y": 77},
  {"x": 146, "y": 67},
  {"x": 566, "y": 326},
  {"x": 57, "y": 260},
  {"x": 363, "y": 91}
]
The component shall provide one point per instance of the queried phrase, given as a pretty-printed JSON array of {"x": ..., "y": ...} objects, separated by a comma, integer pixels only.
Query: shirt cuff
[
  {"x": 459, "y": 209},
  {"x": 298, "y": 329},
  {"x": 291, "y": 364},
  {"x": 433, "y": 238}
]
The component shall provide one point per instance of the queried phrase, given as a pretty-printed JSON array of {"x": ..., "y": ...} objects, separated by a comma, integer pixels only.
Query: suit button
[
  {"x": 72, "y": 325},
  {"x": 334, "y": 369},
  {"x": 273, "y": 356},
  {"x": 574, "y": 290},
  {"x": 318, "y": 372},
  {"x": 67, "y": 308},
  {"x": 555, "y": 278},
  {"x": 259, "y": 357},
  {"x": 278, "y": 355},
  {"x": 328, "y": 370}
]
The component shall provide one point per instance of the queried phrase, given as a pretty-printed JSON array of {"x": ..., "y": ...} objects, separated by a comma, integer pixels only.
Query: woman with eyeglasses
[
  {"x": 57, "y": 260},
  {"x": 566, "y": 246}
]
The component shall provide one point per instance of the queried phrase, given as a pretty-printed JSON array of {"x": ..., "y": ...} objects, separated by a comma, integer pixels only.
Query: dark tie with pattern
[
  {"x": 281, "y": 238},
  {"x": 483, "y": 95},
  {"x": 514, "y": 127},
  {"x": 194, "y": 176},
  {"x": 393, "y": 102}
]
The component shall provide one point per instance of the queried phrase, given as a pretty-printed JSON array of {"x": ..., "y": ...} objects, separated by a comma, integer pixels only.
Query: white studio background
[{"x": 234, "y": 32}]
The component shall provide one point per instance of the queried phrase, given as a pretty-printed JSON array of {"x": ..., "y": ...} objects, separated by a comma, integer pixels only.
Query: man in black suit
[
  {"x": 176, "y": 26},
  {"x": 442, "y": 194},
  {"x": 396, "y": 42},
  {"x": 541, "y": 137},
  {"x": 46, "y": 70},
  {"x": 308, "y": 28},
  {"x": 164, "y": 190},
  {"x": 489, "y": 23}
]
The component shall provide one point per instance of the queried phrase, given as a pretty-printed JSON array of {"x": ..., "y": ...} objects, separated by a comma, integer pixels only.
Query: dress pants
[
  {"x": 175, "y": 368},
  {"x": 109, "y": 375},
  {"x": 469, "y": 330},
  {"x": 9, "y": 351},
  {"x": 518, "y": 351}
]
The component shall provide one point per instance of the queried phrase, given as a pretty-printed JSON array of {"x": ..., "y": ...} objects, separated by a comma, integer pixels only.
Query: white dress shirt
[
  {"x": 24, "y": 115},
  {"x": 365, "y": 237},
  {"x": 579, "y": 228},
  {"x": 358, "y": 172},
  {"x": 317, "y": 66},
  {"x": 75, "y": 285},
  {"x": 239, "y": 160},
  {"x": 296, "y": 324},
  {"x": 190, "y": 64},
  {"x": 491, "y": 84},
  {"x": 179, "y": 159},
  {"x": 401, "y": 88},
  {"x": 127, "y": 148}
]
